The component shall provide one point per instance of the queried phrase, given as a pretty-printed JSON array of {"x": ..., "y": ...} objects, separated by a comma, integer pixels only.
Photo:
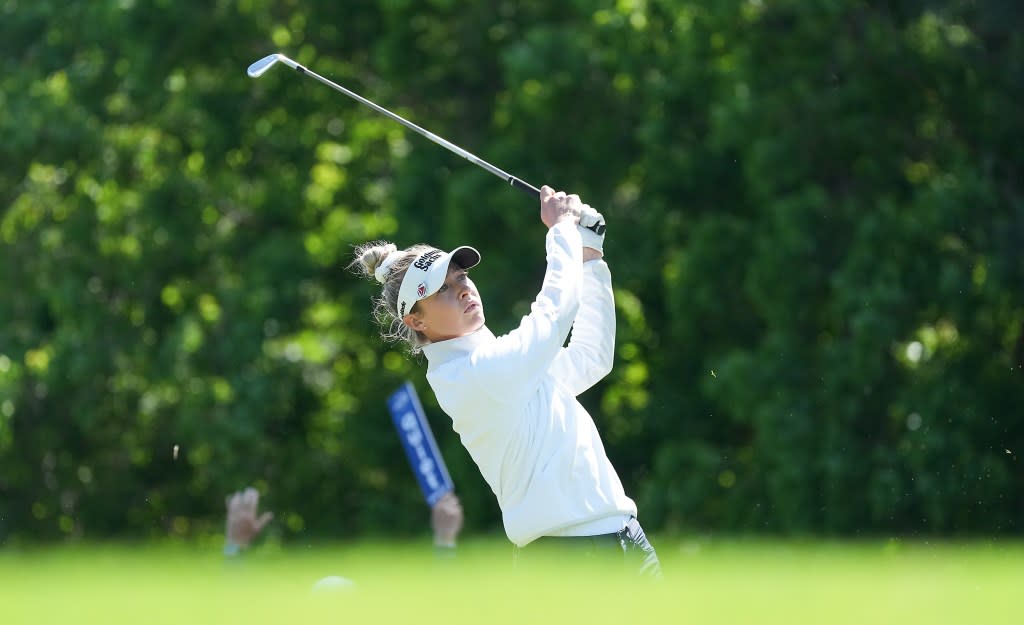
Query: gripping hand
[{"x": 592, "y": 228}]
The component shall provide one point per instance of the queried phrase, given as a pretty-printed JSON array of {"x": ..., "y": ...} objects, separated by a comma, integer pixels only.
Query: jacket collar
[{"x": 439, "y": 353}]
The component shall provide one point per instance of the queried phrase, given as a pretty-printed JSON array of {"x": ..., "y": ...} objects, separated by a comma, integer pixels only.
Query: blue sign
[{"x": 419, "y": 443}]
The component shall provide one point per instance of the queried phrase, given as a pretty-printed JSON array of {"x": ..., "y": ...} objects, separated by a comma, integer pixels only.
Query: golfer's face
[{"x": 455, "y": 310}]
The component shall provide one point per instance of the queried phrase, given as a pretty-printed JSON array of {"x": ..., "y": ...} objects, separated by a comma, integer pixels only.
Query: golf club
[{"x": 260, "y": 67}]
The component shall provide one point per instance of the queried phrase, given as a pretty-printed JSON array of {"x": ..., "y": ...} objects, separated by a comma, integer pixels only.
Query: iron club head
[{"x": 260, "y": 67}]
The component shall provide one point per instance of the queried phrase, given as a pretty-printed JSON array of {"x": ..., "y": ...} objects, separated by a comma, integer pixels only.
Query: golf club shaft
[{"x": 472, "y": 158}]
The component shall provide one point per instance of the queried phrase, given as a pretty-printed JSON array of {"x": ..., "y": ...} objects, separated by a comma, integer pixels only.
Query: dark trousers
[{"x": 629, "y": 545}]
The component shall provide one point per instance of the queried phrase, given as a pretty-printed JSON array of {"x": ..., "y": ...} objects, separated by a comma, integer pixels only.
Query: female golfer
[{"x": 512, "y": 398}]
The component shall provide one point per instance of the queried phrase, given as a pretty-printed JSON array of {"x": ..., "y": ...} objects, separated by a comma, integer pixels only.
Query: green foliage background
[{"x": 816, "y": 233}]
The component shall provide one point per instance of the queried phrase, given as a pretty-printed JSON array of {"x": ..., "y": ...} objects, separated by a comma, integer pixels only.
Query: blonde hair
[{"x": 368, "y": 258}]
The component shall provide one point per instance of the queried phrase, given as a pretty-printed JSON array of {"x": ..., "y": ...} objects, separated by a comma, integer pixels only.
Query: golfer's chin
[{"x": 476, "y": 320}]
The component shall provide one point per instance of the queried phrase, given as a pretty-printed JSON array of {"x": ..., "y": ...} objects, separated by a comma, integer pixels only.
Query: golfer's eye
[{"x": 444, "y": 287}]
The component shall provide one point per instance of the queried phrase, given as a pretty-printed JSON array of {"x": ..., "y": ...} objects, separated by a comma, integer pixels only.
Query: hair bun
[
  {"x": 381, "y": 272},
  {"x": 372, "y": 256}
]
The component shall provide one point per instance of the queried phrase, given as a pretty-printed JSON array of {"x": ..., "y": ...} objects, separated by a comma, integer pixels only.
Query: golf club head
[{"x": 260, "y": 67}]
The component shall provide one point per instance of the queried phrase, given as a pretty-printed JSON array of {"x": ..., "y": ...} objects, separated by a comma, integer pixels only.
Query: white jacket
[{"x": 512, "y": 399}]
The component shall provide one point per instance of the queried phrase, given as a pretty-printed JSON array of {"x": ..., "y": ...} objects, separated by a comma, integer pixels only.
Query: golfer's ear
[{"x": 414, "y": 322}]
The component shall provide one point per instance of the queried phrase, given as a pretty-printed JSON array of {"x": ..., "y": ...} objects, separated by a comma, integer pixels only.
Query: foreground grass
[{"x": 705, "y": 583}]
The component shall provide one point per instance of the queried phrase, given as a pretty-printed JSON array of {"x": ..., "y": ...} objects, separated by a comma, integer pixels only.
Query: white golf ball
[{"x": 333, "y": 583}]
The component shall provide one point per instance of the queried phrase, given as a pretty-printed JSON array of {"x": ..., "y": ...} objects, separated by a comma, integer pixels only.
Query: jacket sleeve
[
  {"x": 591, "y": 350},
  {"x": 511, "y": 367}
]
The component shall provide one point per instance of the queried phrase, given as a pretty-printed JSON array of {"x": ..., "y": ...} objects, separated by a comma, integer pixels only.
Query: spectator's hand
[
  {"x": 592, "y": 229},
  {"x": 243, "y": 525},
  {"x": 558, "y": 207},
  {"x": 446, "y": 519}
]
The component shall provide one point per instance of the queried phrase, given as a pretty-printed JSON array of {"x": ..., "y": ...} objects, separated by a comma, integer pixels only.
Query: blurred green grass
[{"x": 706, "y": 582}]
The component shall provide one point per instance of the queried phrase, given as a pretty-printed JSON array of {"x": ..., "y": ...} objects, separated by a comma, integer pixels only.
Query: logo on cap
[
  {"x": 421, "y": 290},
  {"x": 427, "y": 259}
]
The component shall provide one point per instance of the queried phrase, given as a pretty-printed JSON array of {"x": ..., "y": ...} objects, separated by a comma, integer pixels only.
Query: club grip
[{"x": 525, "y": 187}]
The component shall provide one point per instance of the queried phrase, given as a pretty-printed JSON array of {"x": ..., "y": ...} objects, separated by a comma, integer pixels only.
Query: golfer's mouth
[{"x": 472, "y": 306}]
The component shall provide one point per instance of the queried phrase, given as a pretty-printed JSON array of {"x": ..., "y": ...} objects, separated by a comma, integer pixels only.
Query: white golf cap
[{"x": 427, "y": 273}]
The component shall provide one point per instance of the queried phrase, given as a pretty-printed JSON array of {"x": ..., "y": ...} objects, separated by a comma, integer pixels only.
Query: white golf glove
[{"x": 592, "y": 228}]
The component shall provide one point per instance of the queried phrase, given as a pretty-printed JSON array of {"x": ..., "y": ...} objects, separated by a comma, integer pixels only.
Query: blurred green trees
[{"x": 817, "y": 226}]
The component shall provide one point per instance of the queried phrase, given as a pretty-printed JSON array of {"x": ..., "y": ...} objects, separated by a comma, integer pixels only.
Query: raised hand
[
  {"x": 557, "y": 207},
  {"x": 242, "y": 524}
]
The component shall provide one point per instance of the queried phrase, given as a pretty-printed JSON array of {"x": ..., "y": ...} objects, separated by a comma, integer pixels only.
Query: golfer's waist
[
  {"x": 598, "y": 540},
  {"x": 604, "y": 531},
  {"x": 594, "y": 527}
]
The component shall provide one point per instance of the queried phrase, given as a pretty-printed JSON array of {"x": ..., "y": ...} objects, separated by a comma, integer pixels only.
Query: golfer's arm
[
  {"x": 512, "y": 364},
  {"x": 591, "y": 350}
]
